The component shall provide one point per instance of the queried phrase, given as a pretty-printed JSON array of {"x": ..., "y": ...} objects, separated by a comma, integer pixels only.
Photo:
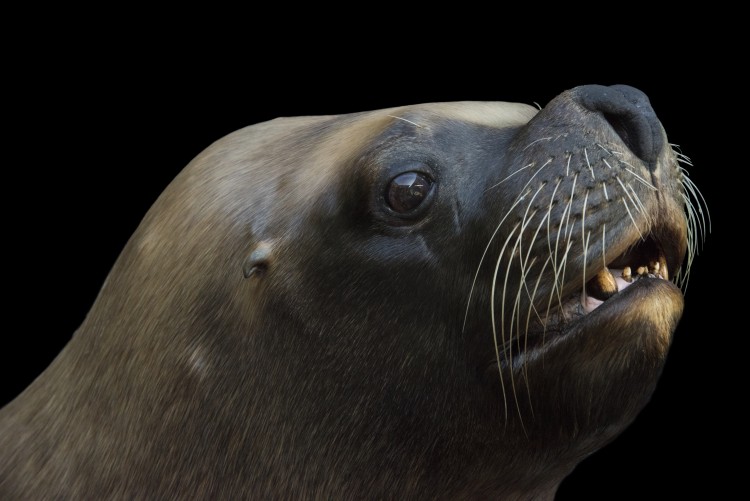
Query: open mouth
[{"x": 644, "y": 260}]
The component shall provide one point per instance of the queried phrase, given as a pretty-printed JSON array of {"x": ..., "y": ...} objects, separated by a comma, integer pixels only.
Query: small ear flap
[{"x": 259, "y": 260}]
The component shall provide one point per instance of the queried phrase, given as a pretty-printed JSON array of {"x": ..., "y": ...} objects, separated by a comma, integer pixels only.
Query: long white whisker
[
  {"x": 494, "y": 323},
  {"x": 518, "y": 200},
  {"x": 699, "y": 223},
  {"x": 530, "y": 178},
  {"x": 584, "y": 240},
  {"x": 638, "y": 200},
  {"x": 515, "y": 319},
  {"x": 549, "y": 138},
  {"x": 526, "y": 218},
  {"x": 558, "y": 280},
  {"x": 701, "y": 203},
  {"x": 481, "y": 260},
  {"x": 639, "y": 178},
  {"x": 682, "y": 276},
  {"x": 567, "y": 235},
  {"x": 632, "y": 219},
  {"x": 586, "y": 154},
  {"x": 516, "y": 313},
  {"x": 548, "y": 216},
  {"x": 509, "y": 176},
  {"x": 526, "y": 266},
  {"x": 625, "y": 190}
]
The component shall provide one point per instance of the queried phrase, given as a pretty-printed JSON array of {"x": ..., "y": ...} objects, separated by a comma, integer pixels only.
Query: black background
[{"x": 95, "y": 137}]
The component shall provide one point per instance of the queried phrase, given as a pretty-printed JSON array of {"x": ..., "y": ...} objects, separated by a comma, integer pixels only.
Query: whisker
[
  {"x": 572, "y": 195},
  {"x": 554, "y": 253},
  {"x": 638, "y": 200},
  {"x": 681, "y": 277},
  {"x": 528, "y": 182},
  {"x": 405, "y": 120},
  {"x": 625, "y": 190},
  {"x": 558, "y": 281},
  {"x": 481, "y": 260},
  {"x": 699, "y": 225},
  {"x": 509, "y": 176},
  {"x": 526, "y": 218},
  {"x": 696, "y": 234},
  {"x": 532, "y": 143},
  {"x": 502, "y": 311},
  {"x": 526, "y": 266},
  {"x": 514, "y": 322},
  {"x": 681, "y": 157},
  {"x": 515, "y": 318},
  {"x": 548, "y": 217},
  {"x": 586, "y": 154},
  {"x": 639, "y": 178},
  {"x": 533, "y": 309},
  {"x": 701, "y": 203},
  {"x": 568, "y": 231},
  {"x": 518, "y": 200},
  {"x": 632, "y": 219},
  {"x": 584, "y": 240}
]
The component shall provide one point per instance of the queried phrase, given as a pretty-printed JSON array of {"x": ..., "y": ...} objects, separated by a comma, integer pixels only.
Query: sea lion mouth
[{"x": 644, "y": 259}]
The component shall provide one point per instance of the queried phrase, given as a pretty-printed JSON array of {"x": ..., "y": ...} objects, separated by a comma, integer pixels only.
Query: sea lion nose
[{"x": 631, "y": 116}]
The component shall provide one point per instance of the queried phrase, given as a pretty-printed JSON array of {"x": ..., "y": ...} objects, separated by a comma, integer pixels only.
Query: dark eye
[{"x": 406, "y": 191}]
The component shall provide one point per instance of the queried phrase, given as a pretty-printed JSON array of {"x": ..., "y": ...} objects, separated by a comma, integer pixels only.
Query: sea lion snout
[{"x": 628, "y": 111}]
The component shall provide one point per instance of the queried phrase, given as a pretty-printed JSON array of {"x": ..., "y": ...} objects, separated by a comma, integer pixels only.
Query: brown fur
[{"x": 274, "y": 330}]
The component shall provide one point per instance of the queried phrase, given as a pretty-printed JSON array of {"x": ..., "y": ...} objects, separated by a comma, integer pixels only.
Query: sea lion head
[{"x": 441, "y": 300}]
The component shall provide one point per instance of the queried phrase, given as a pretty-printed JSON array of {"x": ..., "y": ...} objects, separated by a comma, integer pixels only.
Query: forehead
[
  {"x": 490, "y": 114},
  {"x": 347, "y": 135}
]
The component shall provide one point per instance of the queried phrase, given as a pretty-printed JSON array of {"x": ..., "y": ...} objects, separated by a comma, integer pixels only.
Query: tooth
[
  {"x": 602, "y": 286},
  {"x": 653, "y": 267},
  {"x": 642, "y": 270},
  {"x": 626, "y": 274},
  {"x": 663, "y": 268}
]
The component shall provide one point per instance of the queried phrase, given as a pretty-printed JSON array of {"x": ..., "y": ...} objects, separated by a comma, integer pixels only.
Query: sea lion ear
[{"x": 259, "y": 260}]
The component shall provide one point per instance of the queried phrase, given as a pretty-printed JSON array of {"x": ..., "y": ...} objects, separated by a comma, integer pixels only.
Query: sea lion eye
[{"x": 407, "y": 191}]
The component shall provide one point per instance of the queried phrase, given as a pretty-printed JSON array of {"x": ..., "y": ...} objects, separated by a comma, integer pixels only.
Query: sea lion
[{"x": 439, "y": 301}]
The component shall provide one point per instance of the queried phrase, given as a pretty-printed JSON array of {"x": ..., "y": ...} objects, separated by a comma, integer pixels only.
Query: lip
[
  {"x": 540, "y": 338},
  {"x": 640, "y": 299}
]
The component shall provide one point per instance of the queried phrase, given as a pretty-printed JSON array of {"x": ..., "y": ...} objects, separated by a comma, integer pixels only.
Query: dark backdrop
[{"x": 94, "y": 140}]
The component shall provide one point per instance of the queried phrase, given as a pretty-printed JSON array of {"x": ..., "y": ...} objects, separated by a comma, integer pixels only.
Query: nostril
[
  {"x": 629, "y": 133},
  {"x": 630, "y": 115}
]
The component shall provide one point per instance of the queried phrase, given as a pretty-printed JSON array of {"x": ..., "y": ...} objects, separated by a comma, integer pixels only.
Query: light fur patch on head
[{"x": 497, "y": 114}]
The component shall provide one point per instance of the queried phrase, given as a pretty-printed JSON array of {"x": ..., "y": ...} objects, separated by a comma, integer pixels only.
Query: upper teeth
[
  {"x": 602, "y": 286},
  {"x": 655, "y": 269},
  {"x": 606, "y": 284}
]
